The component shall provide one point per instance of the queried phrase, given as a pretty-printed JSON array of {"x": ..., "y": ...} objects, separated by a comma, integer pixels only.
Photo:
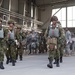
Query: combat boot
[
  {"x": 1, "y": 65},
  {"x": 61, "y": 59},
  {"x": 16, "y": 56},
  {"x": 20, "y": 57},
  {"x": 13, "y": 63},
  {"x": 10, "y": 59},
  {"x": 7, "y": 62},
  {"x": 54, "y": 61},
  {"x": 50, "y": 63},
  {"x": 57, "y": 63}
]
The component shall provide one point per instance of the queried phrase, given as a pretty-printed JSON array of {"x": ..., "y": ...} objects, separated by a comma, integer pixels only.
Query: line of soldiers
[
  {"x": 11, "y": 43},
  {"x": 55, "y": 42},
  {"x": 8, "y": 44}
]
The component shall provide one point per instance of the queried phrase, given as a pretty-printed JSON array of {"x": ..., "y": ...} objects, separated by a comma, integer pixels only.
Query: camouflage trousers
[
  {"x": 61, "y": 50},
  {"x": 11, "y": 51},
  {"x": 55, "y": 53},
  {"x": 19, "y": 50},
  {"x": 1, "y": 51}
]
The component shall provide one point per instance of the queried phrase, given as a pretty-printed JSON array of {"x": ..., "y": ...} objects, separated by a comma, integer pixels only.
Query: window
[
  {"x": 69, "y": 16},
  {"x": 73, "y": 16},
  {"x": 61, "y": 15}
]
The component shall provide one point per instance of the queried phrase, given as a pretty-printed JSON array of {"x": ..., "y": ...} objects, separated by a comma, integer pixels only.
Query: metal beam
[
  {"x": 54, "y": 3},
  {"x": 19, "y": 16}
]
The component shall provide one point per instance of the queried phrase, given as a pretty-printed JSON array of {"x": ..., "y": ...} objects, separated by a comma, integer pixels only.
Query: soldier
[
  {"x": 1, "y": 45},
  {"x": 68, "y": 41},
  {"x": 29, "y": 41},
  {"x": 61, "y": 41},
  {"x": 19, "y": 40},
  {"x": 34, "y": 41},
  {"x": 54, "y": 34},
  {"x": 11, "y": 51},
  {"x": 42, "y": 44}
]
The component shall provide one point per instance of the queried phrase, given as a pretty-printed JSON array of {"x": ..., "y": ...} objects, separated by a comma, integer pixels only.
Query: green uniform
[
  {"x": 61, "y": 42},
  {"x": 57, "y": 33},
  {"x": 2, "y": 46},
  {"x": 11, "y": 47},
  {"x": 19, "y": 50},
  {"x": 1, "y": 50}
]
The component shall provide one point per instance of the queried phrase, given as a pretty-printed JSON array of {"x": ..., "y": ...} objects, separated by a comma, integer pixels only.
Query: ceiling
[{"x": 50, "y": 2}]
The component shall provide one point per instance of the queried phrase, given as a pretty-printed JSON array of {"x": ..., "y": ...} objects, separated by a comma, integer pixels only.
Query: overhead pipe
[{"x": 19, "y": 16}]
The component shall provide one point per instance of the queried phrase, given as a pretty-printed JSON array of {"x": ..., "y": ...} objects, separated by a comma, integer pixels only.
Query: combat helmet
[
  {"x": 11, "y": 22},
  {"x": 54, "y": 18}
]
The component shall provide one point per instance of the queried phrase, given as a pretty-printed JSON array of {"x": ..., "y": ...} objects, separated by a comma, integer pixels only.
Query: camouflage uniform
[
  {"x": 2, "y": 45},
  {"x": 53, "y": 42},
  {"x": 19, "y": 46},
  {"x": 11, "y": 45},
  {"x": 61, "y": 42}
]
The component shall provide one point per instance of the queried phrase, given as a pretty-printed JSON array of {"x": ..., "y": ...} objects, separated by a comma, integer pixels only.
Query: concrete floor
[{"x": 37, "y": 65}]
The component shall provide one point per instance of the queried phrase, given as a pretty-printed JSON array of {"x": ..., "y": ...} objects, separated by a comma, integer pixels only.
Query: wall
[
  {"x": 44, "y": 15},
  {"x": 14, "y": 5},
  {"x": 5, "y": 4}
]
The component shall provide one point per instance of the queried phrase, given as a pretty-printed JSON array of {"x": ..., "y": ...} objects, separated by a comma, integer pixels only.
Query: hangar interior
[{"x": 36, "y": 13}]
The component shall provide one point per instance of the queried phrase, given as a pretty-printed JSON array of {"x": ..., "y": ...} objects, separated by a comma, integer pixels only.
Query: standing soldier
[
  {"x": 29, "y": 41},
  {"x": 19, "y": 40},
  {"x": 61, "y": 42},
  {"x": 11, "y": 51},
  {"x": 53, "y": 41},
  {"x": 68, "y": 41}
]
